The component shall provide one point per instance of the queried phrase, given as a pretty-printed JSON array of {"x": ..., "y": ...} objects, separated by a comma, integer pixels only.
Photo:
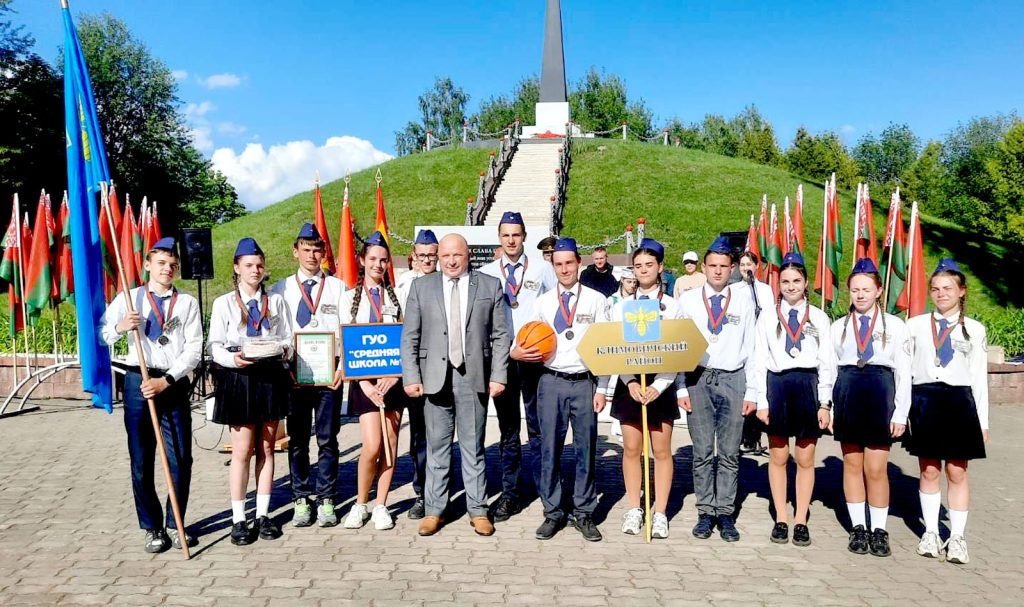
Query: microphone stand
[{"x": 753, "y": 293}]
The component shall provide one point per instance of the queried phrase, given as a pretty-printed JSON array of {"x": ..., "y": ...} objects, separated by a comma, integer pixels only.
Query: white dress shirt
[
  {"x": 969, "y": 366},
  {"x": 184, "y": 348},
  {"x": 671, "y": 312},
  {"x": 228, "y": 328},
  {"x": 446, "y": 286},
  {"x": 735, "y": 346},
  {"x": 815, "y": 349},
  {"x": 389, "y": 313},
  {"x": 895, "y": 354},
  {"x": 765, "y": 295},
  {"x": 536, "y": 277},
  {"x": 327, "y": 313},
  {"x": 592, "y": 308}
]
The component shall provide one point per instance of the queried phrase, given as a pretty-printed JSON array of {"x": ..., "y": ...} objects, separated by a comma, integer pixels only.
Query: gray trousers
[
  {"x": 561, "y": 402},
  {"x": 716, "y": 420},
  {"x": 457, "y": 405}
]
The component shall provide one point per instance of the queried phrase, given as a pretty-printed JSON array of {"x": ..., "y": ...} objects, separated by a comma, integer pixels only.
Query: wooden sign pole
[{"x": 647, "y": 457}]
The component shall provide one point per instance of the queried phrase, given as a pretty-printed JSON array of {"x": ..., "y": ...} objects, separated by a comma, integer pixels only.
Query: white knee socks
[
  {"x": 856, "y": 514},
  {"x": 262, "y": 504},
  {"x": 957, "y": 522},
  {"x": 237, "y": 511},
  {"x": 878, "y": 516},
  {"x": 930, "y": 505}
]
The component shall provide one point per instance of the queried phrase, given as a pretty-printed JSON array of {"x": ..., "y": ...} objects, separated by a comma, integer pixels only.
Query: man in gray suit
[{"x": 455, "y": 346}]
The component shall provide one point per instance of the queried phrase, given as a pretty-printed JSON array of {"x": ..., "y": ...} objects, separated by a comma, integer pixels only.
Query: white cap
[
  {"x": 627, "y": 273},
  {"x": 690, "y": 256}
]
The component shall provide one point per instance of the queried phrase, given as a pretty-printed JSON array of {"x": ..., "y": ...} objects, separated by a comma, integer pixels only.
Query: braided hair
[
  {"x": 360, "y": 287},
  {"x": 778, "y": 300},
  {"x": 846, "y": 322},
  {"x": 961, "y": 281}
]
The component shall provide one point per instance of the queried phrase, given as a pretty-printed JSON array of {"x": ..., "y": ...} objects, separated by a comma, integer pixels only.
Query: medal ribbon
[
  {"x": 264, "y": 314},
  {"x": 795, "y": 337},
  {"x": 156, "y": 308},
  {"x": 373, "y": 304},
  {"x": 302, "y": 291},
  {"x": 939, "y": 340},
  {"x": 519, "y": 284},
  {"x": 716, "y": 323},
  {"x": 566, "y": 313},
  {"x": 863, "y": 346}
]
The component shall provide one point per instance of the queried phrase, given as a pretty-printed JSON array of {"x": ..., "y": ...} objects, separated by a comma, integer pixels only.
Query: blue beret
[
  {"x": 865, "y": 266},
  {"x": 512, "y": 217},
  {"x": 720, "y": 246},
  {"x": 376, "y": 240},
  {"x": 566, "y": 244},
  {"x": 426, "y": 237},
  {"x": 654, "y": 247},
  {"x": 309, "y": 232},
  {"x": 793, "y": 258},
  {"x": 165, "y": 244},
  {"x": 947, "y": 265},
  {"x": 248, "y": 246}
]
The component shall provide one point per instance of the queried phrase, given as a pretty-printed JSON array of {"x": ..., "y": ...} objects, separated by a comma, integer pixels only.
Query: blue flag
[{"x": 87, "y": 167}]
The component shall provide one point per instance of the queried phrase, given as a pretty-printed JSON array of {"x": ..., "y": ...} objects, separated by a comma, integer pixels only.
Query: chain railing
[
  {"x": 625, "y": 132},
  {"x": 489, "y": 180},
  {"x": 435, "y": 143},
  {"x": 558, "y": 200}
]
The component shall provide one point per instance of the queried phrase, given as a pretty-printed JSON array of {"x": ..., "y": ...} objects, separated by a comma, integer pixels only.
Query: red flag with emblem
[
  {"x": 321, "y": 226},
  {"x": 914, "y": 298}
]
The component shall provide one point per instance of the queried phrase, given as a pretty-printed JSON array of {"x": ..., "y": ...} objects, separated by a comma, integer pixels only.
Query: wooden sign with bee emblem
[{"x": 642, "y": 343}]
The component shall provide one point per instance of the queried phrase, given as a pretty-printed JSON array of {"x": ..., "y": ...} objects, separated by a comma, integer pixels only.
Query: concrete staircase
[{"x": 529, "y": 184}]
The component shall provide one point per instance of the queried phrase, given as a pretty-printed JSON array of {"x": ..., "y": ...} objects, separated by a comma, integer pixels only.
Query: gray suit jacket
[{"x": 425, "y": 334}]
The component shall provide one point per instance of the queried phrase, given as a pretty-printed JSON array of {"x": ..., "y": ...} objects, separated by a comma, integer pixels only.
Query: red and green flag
[
  {"x": 830, "y": 251},
  {"x": 129, "y": 247},
  {"x": 774, "y": 259},
  {"x": 38, "y": 279},
  {"x": 751, "y": 237},
  {"x": 798, "y": 219},
  {"x": 914, "y": 298},
  {"x": 382, "y": 225},
  {"x": 321, "y": 226},
  {"x": 762, "y": 239},
  {"x": 66, "y": 277},
  {"x": 894, "y": 254},
  {"x": 155, "y": 224},
  {"x": 790, "y": 241},
  {"x": 864, "y": 227},
  {"x": 10, "y": 270}
]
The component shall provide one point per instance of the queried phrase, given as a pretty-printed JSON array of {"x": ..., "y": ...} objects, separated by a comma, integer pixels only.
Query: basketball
[{"x": 539, "y": 335}]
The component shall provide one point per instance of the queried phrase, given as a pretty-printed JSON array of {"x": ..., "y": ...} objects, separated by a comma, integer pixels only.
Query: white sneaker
[
  {"x": 659, "y": 527},
  {"x": 930, "y": 545},
  {"x": 956, "y": 550},
  {"x": 632, "y": 521},
  {"x": 357, "y": 517},
  {"x": 382, "y": 518}
]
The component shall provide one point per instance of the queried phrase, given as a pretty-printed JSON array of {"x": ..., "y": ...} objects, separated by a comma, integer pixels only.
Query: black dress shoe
[
  {"x": 858, "y": 540},
  {"x": 241, "y": 535},
  {"x": 880, "y": 543},
  {"x": 268, "y": 528},
  {"x": 801, "y": 535},
  {"x": 780, "y": 533},
  {"x": 727, "y": 528},
  {"x": 586, "y": 526},
  {"x": 418, "y": 510},
  {"x": 505, "y": 508},
  {"x": 705, "y": 525},
  {"x": 548, "y": 529}
]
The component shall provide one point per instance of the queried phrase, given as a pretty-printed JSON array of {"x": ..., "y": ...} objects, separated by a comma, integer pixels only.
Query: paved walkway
[{"x": 68, "y": 536}]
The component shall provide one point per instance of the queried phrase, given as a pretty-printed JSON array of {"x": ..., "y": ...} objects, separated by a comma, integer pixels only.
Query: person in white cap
[{"x": 693, "y": 277}]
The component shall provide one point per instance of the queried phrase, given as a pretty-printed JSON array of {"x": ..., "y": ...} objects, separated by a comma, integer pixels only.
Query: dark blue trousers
[
  {"x": 314, "y": 410},
  {"x": 418, "y": 444},
  {"x": 172, "y": 407},
  {"x": 522, "y": 382},
  {"x": 560, "y": 403}
]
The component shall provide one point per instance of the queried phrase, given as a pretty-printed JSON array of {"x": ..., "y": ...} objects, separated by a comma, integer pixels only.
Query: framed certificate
[{"x": 314, "y": 359}]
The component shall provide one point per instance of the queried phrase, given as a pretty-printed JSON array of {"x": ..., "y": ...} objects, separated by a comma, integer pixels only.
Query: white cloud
[
  {"x": 198, "y": 111},
  {"x": 263, "y": 176},
  {"x": 179, "y": 75},
  {"x": 846, "y": 131},
  {"x": 201, "y": 138},
  {"x": 220, "y": 81},
  {"x": 230, "y": 128}
]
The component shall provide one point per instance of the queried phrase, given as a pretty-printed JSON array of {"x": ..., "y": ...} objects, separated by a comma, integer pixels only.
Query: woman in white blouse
[
  {"x": 795, "y": 370},
  {"x": 251, "y": 395},
  {"x": 949, "y": 407}
]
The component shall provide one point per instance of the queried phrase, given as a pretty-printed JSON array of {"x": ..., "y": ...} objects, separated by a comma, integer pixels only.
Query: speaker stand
[{"x": 202, "y": 357}]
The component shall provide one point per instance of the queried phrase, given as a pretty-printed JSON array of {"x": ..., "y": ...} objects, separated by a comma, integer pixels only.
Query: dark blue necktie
[
  {"x": 153, "y": 328},
  {"x": 716, "y": 312},
  {"x": 561, "y": 323},
  {"x": 644, "y": 297},
  {"x": 253, "y": 328},
  {"x": 794, "y": 324},
  {"x": 375, "y": 296},
  {"x": 946, "y": 347},
  {"x": 510, "y": 281},
  {"x": 869, "y": 350},
  {"x": 304, "y": 314}
]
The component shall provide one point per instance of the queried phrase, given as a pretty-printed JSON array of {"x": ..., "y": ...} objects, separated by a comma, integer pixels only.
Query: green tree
[
  {"x": 600, "y": 102},
  {"x": 498, "y": 112},
  {"x": 756, "y": 137},
  {"x": 14, "y": 42},
  {"x": 443, "y": 109},
  {"x": 1007, "y": 170},
  {"x": 923, "y": 181},
  {"x": 411, "y": 139},
  {"x": 148, "y": 143},
  {"x": 817, "y": 157},
  {"x": 883, "y": 160},
  {"x": 683, "y": 135},
  {"x": 718, "y": 136}
]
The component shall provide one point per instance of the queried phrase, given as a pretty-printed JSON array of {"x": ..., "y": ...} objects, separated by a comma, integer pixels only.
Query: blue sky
[{"x": 312, "y": 70}]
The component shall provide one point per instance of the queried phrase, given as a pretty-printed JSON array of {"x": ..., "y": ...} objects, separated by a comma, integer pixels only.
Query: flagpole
[
  {"x": 172, "y": 494},
  {"x": 910, "y": 255},
  {"x": 821, "y": 248},
  {"x": 21, "y": 282},
  {"x": 891, "y": 236},
  {"x": 856, "y": 227}
]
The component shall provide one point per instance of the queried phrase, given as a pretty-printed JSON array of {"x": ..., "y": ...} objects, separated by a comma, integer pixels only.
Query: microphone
[{"x": 749, "y": 278}]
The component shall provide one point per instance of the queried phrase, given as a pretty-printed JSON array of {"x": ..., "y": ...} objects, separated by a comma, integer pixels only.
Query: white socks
[
  {"x": 957, "y": 522},
  {"x": 878, "y": 517},
  {"x": 856, "y": 514},
  {"x": 262, "y": 504},
  {"x": 931, "y": 503},
  {"x": 237, "y": 511}
]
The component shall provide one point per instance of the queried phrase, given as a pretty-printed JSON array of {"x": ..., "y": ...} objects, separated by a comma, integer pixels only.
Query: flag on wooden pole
[
  {"x": 751, "y": 237},
  {"x": 914, "y": 298},
  {"x": 798, "y": 218},
  {"x": 10, "y": 270},
  {"x": 826, "y": 277},
  {"x": 864, "y": 227},
  {"x": 347, "y": 268},
  {"x": 774, "y": 259},
  {"x": 762, "y": 239},
  {"x": 38, "y": 279},
  {"x": 129, "y": 248},
  {"x": 65, "y": 274}
]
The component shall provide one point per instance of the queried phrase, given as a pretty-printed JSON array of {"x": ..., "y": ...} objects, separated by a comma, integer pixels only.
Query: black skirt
[
  {"x": 944, "y": 423},
  {"x": 254, "y": 395},
  {"x": 864, "y": 401},
  {"x": 793, "y": 404},
  {"x": 628, "y": 411},
  {"x": 358, "y": 403}
]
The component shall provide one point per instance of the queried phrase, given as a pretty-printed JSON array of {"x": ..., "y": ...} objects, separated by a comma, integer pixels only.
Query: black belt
[
  {"x": 570, "y": 376},
  {"x": 152, "y": 372}
]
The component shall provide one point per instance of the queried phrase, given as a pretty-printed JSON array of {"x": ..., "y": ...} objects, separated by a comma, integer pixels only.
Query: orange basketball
[{"x": 539, "y": 335}]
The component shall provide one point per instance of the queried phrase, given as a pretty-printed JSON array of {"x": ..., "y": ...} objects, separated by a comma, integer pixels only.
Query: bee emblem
[{"x": 640, "y": 319}]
